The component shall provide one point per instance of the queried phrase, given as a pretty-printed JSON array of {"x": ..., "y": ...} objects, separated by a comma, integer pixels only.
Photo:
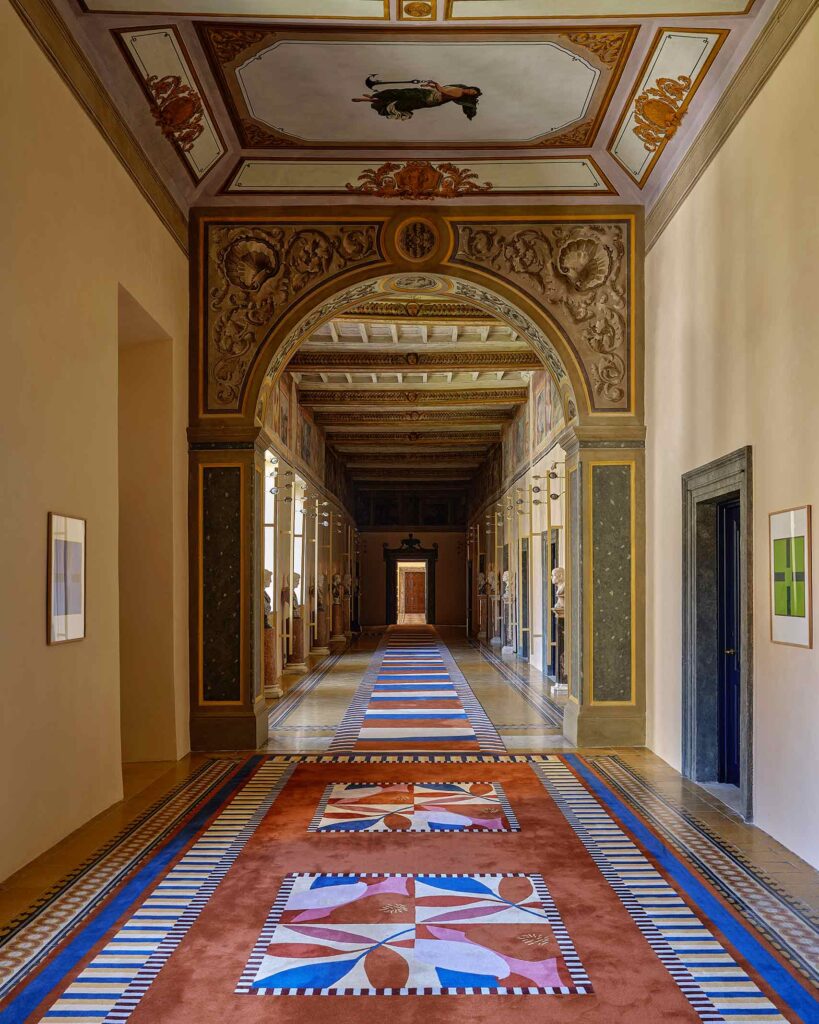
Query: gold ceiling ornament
[
  {"x": 177, "y": 110},
  {"x": 606, "y": 46},
  {"x": 579, "y": 135},
  {"x": 418, "y": 180},
  {"x": 256, "y": 137},
  {"x": 228, "y": 43},
  {"x": 417, "y": 9},
  {"x": 657, "y": 113},
  {"x": 416, "y": 239}
]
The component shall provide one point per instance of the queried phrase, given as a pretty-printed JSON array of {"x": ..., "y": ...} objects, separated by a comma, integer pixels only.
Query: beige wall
[
  {"x": 75, "y": 228},
  {"x": 733, "y": 359},
  {"x": 450, "y": 575}
]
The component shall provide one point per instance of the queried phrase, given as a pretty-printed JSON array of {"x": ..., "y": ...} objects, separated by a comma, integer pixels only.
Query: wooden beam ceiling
[{"x": 381, "y": 361}]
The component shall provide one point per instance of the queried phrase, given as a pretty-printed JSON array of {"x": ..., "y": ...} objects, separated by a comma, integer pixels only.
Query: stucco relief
[
  {"x": 581, "y": 272},
  {"x": 254, "y": 275}
]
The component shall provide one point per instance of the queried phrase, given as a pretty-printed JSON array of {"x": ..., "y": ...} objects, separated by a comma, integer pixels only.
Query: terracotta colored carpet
[{"x": 457, "y": 887}]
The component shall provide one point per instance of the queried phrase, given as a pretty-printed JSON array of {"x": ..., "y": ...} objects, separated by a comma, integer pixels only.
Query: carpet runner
[
  {"x": 414, "y": 697},
  {"x": 571, "y": 910}
]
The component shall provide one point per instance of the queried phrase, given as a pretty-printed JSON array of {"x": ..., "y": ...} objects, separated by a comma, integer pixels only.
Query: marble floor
[
  {"x": 773, "y": 887},
  {"x": 307, "y": 723}
]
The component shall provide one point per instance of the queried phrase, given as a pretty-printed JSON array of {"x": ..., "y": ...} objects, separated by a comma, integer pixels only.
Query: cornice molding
[
  {"x": 762, "y": 60},
  {"x": 51, "y": 34}
]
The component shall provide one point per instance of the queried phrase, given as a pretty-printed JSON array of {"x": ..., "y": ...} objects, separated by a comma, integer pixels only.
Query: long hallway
[
  {"x": 597, "y": 883},
  {"x": 308, "y": 717}
]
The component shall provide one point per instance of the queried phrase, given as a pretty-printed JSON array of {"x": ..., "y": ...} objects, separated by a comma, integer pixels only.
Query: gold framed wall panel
[{"x": 588, "y": 625}]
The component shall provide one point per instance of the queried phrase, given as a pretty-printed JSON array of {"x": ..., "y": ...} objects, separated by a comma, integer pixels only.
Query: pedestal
[
  {"x": 320, "y": 645},
  {"x": 295, "y": 660},
  {"x": 272, "y": 685},
  {"x": 338, "y": 625},
  {"x": 346, "y": 619}
]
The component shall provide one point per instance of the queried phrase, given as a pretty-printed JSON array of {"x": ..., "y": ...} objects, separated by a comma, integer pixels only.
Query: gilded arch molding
[{"x": 569, "y": 279}]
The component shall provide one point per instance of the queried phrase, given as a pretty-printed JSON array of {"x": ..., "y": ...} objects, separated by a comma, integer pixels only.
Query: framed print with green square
[
  {"x": 65, "y": 617},
  {"x": 791, "y": 595}
]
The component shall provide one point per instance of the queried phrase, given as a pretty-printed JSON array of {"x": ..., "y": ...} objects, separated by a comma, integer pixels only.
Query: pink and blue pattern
[
  {"x": 414, "y": 807},
  {"x": 385, "y": 934}
]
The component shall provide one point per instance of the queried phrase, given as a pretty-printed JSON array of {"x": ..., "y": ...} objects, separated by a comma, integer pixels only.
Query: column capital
[{"x": 604, "y": 436}]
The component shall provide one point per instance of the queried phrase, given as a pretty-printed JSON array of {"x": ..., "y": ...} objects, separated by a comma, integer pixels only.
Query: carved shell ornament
[
  {"x": 248, "y": 263},
  {"x": 584, "y": 262},
  {"x": 577, "y": 269},
  {"x": 257, "y": 273}
]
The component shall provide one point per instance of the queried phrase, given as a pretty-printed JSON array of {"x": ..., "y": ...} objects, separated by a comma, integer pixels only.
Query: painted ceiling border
[
  {"x": 785, "y": 24},
  {"x": 51, "y": 34}
]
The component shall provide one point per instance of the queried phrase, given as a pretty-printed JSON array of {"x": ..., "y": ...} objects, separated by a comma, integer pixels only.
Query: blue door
[{"x": 728, "y": 638}]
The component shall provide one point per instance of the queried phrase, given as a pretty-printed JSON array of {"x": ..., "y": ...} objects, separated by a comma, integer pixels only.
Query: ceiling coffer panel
[{"x": 519, "y": 90}]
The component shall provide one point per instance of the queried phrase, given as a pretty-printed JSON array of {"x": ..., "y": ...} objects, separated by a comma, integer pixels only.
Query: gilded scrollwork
[
  {"x": 581, "y": 272},
  {"x": 255, "y": 275}
]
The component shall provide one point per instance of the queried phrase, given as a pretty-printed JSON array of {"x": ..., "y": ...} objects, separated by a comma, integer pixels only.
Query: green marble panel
[
  {"x": 611, "y": 582},
  {"x": 576, "y": 538},
  {"x": 221, "y": 583}
]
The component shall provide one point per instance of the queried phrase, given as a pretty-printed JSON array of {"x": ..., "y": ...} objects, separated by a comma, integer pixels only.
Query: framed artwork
[
  {"x": 65, "y": 620},
  {"x": 791, "y": 595}
]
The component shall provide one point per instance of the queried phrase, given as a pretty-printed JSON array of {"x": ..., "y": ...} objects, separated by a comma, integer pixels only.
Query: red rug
[{"x": 251, "y": 914}]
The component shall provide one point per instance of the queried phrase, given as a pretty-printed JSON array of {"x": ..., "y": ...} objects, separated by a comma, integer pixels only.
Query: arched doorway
[{"x": 569, "y": 282}]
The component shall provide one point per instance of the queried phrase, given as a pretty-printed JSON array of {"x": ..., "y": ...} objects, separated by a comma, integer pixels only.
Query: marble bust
[{"x": 559, "y": 581}]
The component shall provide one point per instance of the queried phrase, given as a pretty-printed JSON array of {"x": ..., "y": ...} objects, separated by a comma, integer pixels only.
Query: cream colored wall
[
  {"x": 74, "y": 229},
  {"x": 733, "y": 359},
  {"x": 450, "y": 575}
]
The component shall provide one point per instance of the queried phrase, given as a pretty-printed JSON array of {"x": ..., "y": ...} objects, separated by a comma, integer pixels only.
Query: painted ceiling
[
  {"x": 468, "y": 374},
  {"x": 243, "y": 102}
]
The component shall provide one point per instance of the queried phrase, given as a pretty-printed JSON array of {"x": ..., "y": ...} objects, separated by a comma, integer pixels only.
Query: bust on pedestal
[
  {"x": 272, "y": 685},
  {"x": 559, "y": 627},
  {"x": 338, "y": 613},
  {"x": 508, "y": 627},
  {"x": 295, "y": 659},
  {"x": 320, "y": 643}
]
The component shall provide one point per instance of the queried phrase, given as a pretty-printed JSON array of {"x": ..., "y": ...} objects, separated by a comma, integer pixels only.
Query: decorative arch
[
  {"x": 567, "y": 279},
  {"x": 438, "y": 284}
]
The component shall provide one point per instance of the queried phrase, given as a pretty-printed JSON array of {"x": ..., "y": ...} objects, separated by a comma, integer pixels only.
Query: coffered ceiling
[
  {"x": 413, "y": 397},
  {"x": 248, "y": 102}
]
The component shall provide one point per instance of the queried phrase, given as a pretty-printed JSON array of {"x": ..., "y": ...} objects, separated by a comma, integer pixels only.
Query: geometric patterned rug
[{"x": 585, "y": 908}]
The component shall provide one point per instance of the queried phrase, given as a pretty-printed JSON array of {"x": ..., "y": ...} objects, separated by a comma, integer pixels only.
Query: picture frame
[
  {"x": 790, "y": 573},
  {"x": 65, "y": 579}
]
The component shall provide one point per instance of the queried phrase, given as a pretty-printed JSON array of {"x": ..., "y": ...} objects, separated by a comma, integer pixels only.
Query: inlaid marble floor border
[
  {"x": 788, "y": 924},
  {"x": 539, "y": 702},
  {"x": 30, "y": 936}
]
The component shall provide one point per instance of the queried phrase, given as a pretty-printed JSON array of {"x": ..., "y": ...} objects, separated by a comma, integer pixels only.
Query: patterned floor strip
[
  {"x": 548, "y": 710},
  {"x": 414, "y": 697},
  {"x": 288, "y": 704},
  {"x": 788, "y": 924},
  {"x": 29, "y": 938},
  {"x": 710, "y": 978},
  {"x": 110, "y": 987}
]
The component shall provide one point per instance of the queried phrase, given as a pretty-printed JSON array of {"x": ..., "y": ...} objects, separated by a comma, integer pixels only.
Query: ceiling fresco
[{"x": 235, "y": 102}]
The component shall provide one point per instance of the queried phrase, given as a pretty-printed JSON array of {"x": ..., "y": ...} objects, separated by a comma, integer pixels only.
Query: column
[
  {"x": 605, "y": 628},
  {"x": 226, "y": 483}
]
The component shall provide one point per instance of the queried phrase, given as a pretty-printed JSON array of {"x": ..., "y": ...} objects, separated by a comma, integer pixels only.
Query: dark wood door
[
  {"x": 414, "y": 592},
  {"x": 728, "y": 554}
]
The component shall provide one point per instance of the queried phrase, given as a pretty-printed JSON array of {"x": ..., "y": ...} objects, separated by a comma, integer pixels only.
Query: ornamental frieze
[
  {"x": 580, "y": 273},
  {"x": 419, "y": 361},
  {"x": 471, "y": 415},
  {"x": 506, "y": 396},
  {"x": 254, "y": 275}
]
